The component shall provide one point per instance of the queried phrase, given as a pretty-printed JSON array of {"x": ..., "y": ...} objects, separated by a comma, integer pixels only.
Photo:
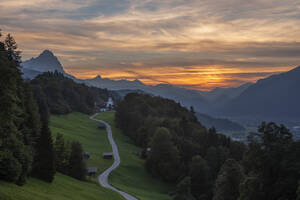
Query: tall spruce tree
[
  {"x": 62, "y": 154},
  {"x": 77, "y": 166},
  {"x": 44, "y": 165},
  {"x": 12, "y": 48}
]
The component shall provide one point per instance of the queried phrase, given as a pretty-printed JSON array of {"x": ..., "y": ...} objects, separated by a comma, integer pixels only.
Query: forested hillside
[
  {"x": 64, "y": 95},
  {"x": 207, "y": 165}
]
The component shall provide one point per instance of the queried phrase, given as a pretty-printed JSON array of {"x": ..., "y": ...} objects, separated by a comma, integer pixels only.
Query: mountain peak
[
  {"x": 47, "y": 53},
  {"x": 45, "y": 62},
  {"x": 98, "y": 77}
]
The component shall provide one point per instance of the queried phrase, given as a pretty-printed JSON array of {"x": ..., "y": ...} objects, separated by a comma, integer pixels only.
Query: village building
[
  {"x": 86, "y": 155},
  {"x": 92, "y": 171},
  {"x": 108, "y": 155},
  {"x": 101, "y": 126}
]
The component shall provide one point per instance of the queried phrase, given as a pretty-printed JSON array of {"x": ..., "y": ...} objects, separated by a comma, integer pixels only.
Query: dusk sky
[{"x": 196, "y": 44}]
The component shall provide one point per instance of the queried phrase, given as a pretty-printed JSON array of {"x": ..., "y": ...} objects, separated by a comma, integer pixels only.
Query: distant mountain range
[
  {"x": 272, "y": 98},
  {"x": 277, "y": 95}
]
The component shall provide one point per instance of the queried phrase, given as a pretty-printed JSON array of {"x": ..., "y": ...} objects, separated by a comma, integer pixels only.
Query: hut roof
[
  {"x": 107, "y": 154},
  {"x": 92, "y": 170},
  {"x": 101, "y": 125}
]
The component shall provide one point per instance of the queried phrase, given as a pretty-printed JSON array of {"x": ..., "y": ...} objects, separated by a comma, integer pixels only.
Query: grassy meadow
[{"x": 62, "y": 188}]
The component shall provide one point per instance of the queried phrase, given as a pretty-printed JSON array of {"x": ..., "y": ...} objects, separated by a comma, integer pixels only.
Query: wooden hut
[
  {"x": 108, "y": 155},
  {"x": 101, "y": 126},
  {"x": 86, "y": 155},
  {"x": 92, "y": 171}
]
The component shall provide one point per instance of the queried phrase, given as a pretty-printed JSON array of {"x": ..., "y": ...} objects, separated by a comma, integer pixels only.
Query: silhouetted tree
[
  {"x": 77, "y": 166},
  {"x": 62, "y": 154},
  {"x": 201, "y": 180},
  {"x": 228, "y": 181},
  {"x": 12, "y": 48},
  {"x": 183, "y": 190},
  {"x": 163, "y": 160},
  {"x": 44, "y": 165}
]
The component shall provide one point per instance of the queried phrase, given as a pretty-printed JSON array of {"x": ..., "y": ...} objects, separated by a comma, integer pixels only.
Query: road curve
[{"x": 103, "y": 178}]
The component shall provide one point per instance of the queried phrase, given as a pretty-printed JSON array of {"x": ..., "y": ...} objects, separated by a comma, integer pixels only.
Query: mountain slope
[
  {"x": 219, "y": 124},
  {"x": 276, "y": 97},
  {"x": 223, "y": 95}
]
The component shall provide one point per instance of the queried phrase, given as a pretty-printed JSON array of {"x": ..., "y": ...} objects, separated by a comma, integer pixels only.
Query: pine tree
[
  {"x": 12, "y": 48},
  {"x": 77, "y": 166},
  {"x": 44, "y": 165},
  {"x": 62, "y": 154}
]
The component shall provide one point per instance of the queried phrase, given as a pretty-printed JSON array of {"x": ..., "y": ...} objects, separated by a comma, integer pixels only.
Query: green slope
[
  {"x": 131, "y": 175},
  {"x": 63, "y": 188},
  {"x": 75, "y": 126}
]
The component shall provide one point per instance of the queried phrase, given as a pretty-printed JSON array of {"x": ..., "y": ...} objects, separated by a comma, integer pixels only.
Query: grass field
[
  {"x": 63, "y": 188},
  {"x": 131, "y": 175},
  {"x": 77, "y": 126}
]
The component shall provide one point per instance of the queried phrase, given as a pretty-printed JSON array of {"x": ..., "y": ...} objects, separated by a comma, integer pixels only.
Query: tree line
[
  {"x": 26, "y": 144},
  {"x": 65, "y": 96},
  {"x": 206, "y": 165}
]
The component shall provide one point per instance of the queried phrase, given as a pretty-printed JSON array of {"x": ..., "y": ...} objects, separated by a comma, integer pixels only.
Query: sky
[{"x": 196, "y": 44}]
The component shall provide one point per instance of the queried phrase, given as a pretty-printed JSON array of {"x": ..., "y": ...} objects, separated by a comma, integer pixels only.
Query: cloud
[{"x": 119, "y": 37}]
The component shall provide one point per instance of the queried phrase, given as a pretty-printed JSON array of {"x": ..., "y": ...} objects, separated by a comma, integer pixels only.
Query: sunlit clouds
[{"x": 190, "y": 43}]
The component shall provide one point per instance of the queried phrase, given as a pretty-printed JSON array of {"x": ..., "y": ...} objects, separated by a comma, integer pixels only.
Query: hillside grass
[
  {"x": 62, "y": 188},
  {"x": 78, "y": 126},
  {"x": 131, "y": 175}
]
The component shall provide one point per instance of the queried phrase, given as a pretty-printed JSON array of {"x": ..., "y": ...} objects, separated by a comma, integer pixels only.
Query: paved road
[{"x": 103, "y": 178}]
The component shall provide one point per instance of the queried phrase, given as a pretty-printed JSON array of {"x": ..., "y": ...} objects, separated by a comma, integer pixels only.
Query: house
[
  {"x": 92, "y": 171},
  {"x": 109, "y": 103},
  {"x": 103, "y": 109},
  {"x": 86, "y": 155},
  {"x": 108, "y": 155},
  {"x": 101, "y": 126}
]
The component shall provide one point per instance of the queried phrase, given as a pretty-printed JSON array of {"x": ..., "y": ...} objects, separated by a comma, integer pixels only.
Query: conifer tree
[
  {"x": 77, "y": 166},
  {"x": 44, "y": 165},
  {"x": 62, "y": 154},
  {"x": 12, "y": 48}
]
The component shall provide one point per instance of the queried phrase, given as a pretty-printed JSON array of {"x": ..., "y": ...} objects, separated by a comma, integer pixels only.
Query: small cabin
[
  {"x": 103, "y": 109},
  {"x": 92, "y": 171},
  {"x": 108, "y": 155},
  {"x": 86, "y": 155},
  {"x": 101, "y": 126}
]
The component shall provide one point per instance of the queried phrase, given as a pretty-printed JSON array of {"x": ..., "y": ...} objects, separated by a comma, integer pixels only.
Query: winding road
[{"x": 103, "y": 178}]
